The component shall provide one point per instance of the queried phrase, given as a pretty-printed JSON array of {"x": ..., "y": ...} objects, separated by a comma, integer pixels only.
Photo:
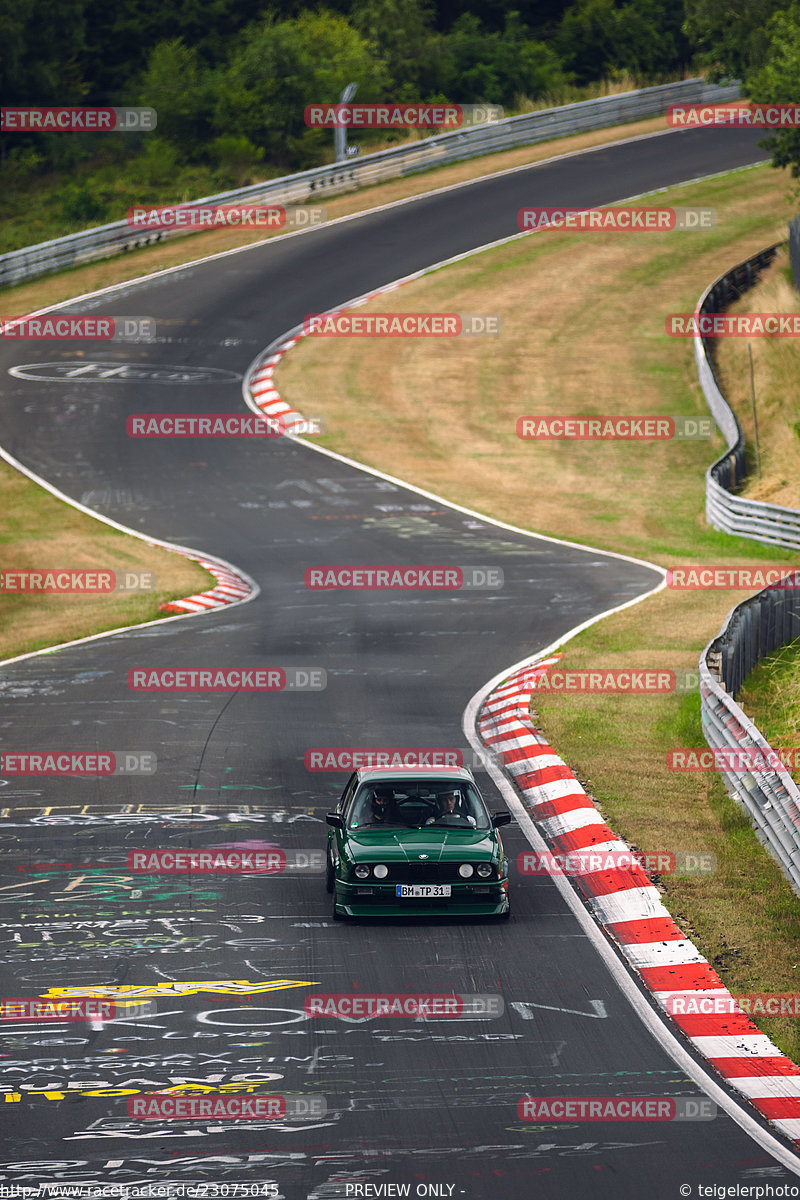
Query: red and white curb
[
  {"x": 629, "y": 908},
  {"x": 260, "y": 376},
  {"x": 231, "y": 588},
  {"x": 263, "y": 390}
]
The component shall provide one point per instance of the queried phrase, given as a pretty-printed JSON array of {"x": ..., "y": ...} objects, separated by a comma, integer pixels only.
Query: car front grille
[{"x": 427, "y": 872}]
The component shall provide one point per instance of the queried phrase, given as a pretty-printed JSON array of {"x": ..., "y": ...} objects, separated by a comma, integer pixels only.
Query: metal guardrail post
[{"x": 340, "y": 134}]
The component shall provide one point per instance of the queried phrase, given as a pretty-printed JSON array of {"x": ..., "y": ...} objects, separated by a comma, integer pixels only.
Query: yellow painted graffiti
[
  {"x": 181, "y": 1089},
  {"x": 225, "y": 987}
]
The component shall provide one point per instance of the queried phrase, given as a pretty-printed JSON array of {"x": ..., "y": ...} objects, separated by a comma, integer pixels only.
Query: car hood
[{"x": 406, "y": 845}]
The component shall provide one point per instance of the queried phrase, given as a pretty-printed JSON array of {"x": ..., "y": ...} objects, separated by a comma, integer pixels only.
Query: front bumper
[{"x": 380, "y": 900}]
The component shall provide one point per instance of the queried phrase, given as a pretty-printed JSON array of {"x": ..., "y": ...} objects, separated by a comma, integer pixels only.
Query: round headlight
[
  {"x": 361, "y": 871},
  {"x": 465, "y": 870},
  {"x": 484, "y": 870},
  {"x": 381, "y": 871}
]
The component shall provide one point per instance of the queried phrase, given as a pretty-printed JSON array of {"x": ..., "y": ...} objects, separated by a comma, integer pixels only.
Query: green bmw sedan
[{"x": 416, "y": 841}]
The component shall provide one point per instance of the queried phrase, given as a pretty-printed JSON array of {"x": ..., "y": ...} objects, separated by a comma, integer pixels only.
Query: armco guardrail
[
  {"x": 751, "y": 630},
  {"x": 769, "y": 523},
  {"x": 759, "y": 624},
  {"x": 115, "y": 238}
]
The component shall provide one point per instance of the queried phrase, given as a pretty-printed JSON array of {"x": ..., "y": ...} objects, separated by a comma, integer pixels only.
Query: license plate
[{"x": 422, "y": 891}]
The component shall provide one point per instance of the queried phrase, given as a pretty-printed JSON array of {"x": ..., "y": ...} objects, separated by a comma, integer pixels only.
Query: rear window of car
[{"x": 415, "y": 803}]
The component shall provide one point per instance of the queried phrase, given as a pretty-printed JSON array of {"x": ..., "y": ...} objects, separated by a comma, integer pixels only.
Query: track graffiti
[
  {"x": 112, "y": 1127},
  {"x": 133, "y": 937},
  {"x": 98, "y": 885},
  {"x": 90, "y": 815},
  {"x": 133, "y": 1169}
]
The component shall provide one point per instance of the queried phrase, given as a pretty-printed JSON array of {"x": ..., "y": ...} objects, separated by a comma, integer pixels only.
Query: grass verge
[
  {"x": 37, "y": 532},
  {"x": 776, "y": 373},
  {"x": 584, "y": 333}
]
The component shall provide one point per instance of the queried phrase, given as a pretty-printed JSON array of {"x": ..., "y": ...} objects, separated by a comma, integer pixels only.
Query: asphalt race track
[{"x": 431, "y": 1105}]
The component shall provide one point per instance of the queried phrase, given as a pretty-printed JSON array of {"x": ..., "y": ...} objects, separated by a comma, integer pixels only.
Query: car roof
[{"x": 388, "y": 774}]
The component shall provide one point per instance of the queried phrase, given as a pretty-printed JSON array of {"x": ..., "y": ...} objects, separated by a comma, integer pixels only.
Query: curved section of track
[{"x": 408, "y": 1102}]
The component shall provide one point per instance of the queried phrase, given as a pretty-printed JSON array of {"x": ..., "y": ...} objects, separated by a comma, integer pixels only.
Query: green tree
[
  {"x": 730, "y": 36},
  {"x": 42, "y": 43},
  {"x": 181, "y": 90},
  {"x": 601, "y": 38},
  {"x": 279, "y": 68},
  {"x": 14, "y": 19},
  {"x": 400, "y": 34},
  {"x": 541, "y": 17},
  {"x": 41, "y": 46},
  {"x": 776, "y": 82},
  {"x": 651, "y": 38},
  {"x": 122, "y": 36},
  {"x": 587, "y": 40},
  {"x": 527, "y": 68},
  {"x": 499, "y": 67}
]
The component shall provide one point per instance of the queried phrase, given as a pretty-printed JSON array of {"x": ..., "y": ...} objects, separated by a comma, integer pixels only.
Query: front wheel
[{"x": 330, "y": 878}]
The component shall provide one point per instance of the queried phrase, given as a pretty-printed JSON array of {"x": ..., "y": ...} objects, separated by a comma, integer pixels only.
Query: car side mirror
[
  {"x": 337, "y": 820},
  {"x": 501, "y": 818}
]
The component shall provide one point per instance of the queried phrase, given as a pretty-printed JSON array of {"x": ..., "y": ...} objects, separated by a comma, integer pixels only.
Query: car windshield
[{"x": 415, "y": 803}]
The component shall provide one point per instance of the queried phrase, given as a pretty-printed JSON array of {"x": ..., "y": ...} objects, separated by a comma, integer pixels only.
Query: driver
[
  {"x": 382, "y": 804},
  {"x": 450, "y": 806}
]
